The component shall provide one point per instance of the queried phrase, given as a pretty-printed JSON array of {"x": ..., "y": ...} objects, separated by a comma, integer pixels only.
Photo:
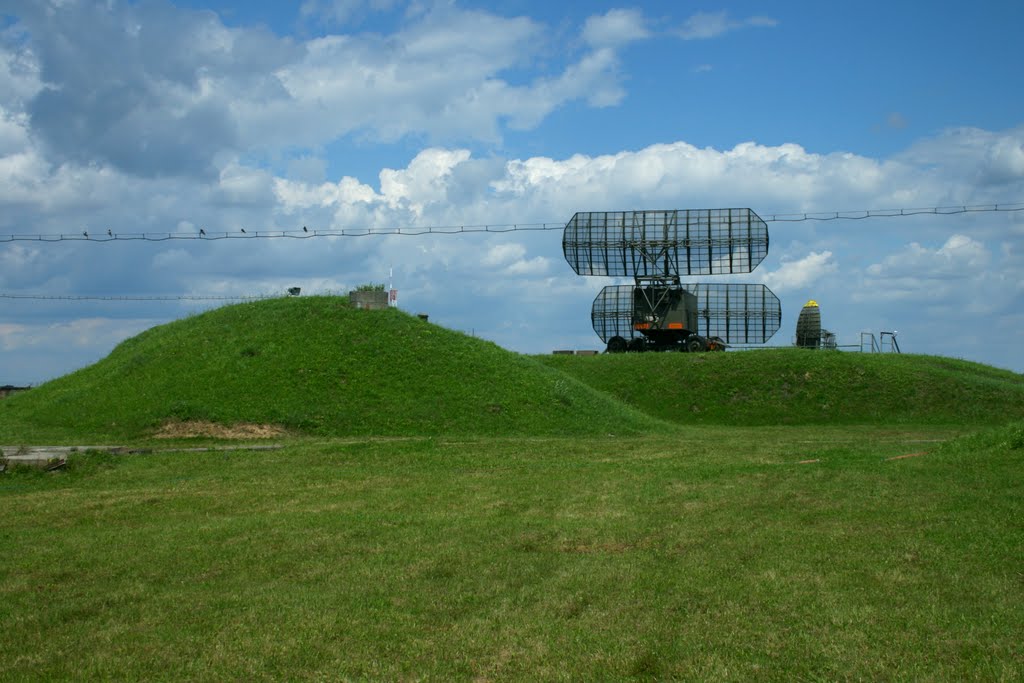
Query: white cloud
[
  {"x": 959, "y": 279},
  {"x": 519, "y": 277},
  {"x": 19, "y": 73},
  {"x": 614, "y": 28},
  {"x": 959, "y": 258},
  {"x": 423, "y": 181},
  {"x": 13, "y": 133},
  {"x": 747, "y": 174},
  {"x": 704, "y": 25},
  {"x": 538, "y": 265},
  {"x": 981, "y": 159},
  {"x": 157, "y": 91},
  {"x": 83, "y": 333},
  {"x": 502, "y": 254},
  {"x": 10, "y": 335},
  {"x": 441, "y": 76},
  {"x": 295, "y": 196},
  {"x": 801, "y": 273},
  {"x": 343, "y": 11}
]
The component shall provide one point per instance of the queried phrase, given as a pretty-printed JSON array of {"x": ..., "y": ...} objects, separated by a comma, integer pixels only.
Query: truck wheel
[
  {"x": 696, "y": 344},
  {"x": 637, "y": 345},
  {"x": 616, "y": 344}
]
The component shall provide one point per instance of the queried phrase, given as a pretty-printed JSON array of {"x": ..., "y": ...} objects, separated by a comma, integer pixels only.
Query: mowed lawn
[{"x": 711, "y": 553}]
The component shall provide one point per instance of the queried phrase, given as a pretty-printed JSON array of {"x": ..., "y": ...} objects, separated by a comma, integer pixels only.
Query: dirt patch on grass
[{"x": 243, "y": 430}]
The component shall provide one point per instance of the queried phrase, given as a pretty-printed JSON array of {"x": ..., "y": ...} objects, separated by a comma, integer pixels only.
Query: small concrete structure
[
  {"x": 56, "y": 457},
  {"x": 369, "y": 299},
  {"x": 49, "y": 457}
]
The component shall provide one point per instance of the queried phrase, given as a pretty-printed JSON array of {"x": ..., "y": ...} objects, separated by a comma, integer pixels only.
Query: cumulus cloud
[
  {"x": 704, "y": 25},
  {"x": 144, "y": 88},
  {"x": 801, "y": 273},
  {"x": 157, "y": 91},
  {"x": 614, "y": 28},
  {"x": 988, "y": 160},
  {"x": 960, "y": 279},
  {"x": 340, "y": 12},
  {"x": 502, "y": 254},
  {"x": 959, "y": 258}
]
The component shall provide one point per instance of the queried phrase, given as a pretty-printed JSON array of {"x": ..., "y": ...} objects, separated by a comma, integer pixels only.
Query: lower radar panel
[{"x": 738, "y": 314}]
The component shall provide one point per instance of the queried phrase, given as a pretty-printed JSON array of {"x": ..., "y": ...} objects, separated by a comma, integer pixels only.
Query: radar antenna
[{"x": 657, "y": 312}]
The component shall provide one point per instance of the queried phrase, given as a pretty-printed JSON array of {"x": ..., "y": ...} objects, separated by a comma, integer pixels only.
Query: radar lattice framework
[{"x": 659, "y": 312}]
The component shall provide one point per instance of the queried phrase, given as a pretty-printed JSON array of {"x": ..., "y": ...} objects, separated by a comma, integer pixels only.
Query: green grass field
[{"x": 589, "y": 533}]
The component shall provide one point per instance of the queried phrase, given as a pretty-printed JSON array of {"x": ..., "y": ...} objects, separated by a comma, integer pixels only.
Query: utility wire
[
  {"x": 209, "y": 236},
  {"x": 306, "y": 233},
  {"x": 140, "y": 298},
  {"x": 890, "y": 213}
]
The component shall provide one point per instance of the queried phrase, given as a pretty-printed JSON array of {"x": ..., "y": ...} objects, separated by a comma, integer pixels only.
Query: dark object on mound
[{"x": 808, "y": 326}]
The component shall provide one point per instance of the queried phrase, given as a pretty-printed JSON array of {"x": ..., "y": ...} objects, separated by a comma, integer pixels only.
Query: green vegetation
[
  {"x": 315, "y": 366},
  {"x": 800, "y": 387},
  {"x": 443, "y": 509},
  {"x": 716, "y": 556},
  {"x": 371, "y": 287}
]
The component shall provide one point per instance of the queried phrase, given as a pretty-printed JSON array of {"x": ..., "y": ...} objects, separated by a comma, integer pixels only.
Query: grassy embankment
[
  {"x": 687, "y": 551},
  {"x": 313, "y": 366},
  {"x": 797, "y": 387}
]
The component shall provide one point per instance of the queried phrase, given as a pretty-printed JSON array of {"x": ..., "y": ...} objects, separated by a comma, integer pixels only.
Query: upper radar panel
[{"x": 665, "y": 243}]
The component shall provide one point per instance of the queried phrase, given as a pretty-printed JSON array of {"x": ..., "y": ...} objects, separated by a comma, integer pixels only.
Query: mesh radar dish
[
  {"x": 734, "y": 314},
  {"x": 665, "y": 243},
  {"x": 655, "y": 248}
]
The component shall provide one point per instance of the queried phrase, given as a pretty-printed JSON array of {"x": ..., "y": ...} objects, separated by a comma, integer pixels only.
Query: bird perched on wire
[
  {"x": 86, "y": 233},
  {"x": 243, "y": 229},
  {"x": 202, "y": 232},
  {"x": 109, "y": 234},
  {"x": 304, "y": 229}
]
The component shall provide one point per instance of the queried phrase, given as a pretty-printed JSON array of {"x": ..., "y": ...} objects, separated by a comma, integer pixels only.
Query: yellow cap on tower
[{"x": 812, "y": 302}]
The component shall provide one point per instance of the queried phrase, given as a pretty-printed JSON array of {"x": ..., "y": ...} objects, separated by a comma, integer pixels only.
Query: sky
[{"x": 172, "y": 117}]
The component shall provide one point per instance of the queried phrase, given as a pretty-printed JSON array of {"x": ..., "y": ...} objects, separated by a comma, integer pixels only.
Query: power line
[
  {"x": 182, "y": 297},
  {"x": 307, "y": 233},
  {"x": 890, "y": 213},
  {"x": 208, "y": 236}
]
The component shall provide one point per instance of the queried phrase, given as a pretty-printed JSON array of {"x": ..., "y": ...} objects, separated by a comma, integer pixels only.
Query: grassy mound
[
  {"x": 312, "y": 365},
  {"x": 796, "y": 386}
]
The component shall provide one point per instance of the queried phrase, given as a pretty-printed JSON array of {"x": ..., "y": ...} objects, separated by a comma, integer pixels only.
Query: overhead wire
[
  {"x": 208, "y": 236},
  {"x": 305, "y": 233},
  {"x": 890, "y": 213},
  {"x": 497, "y": 228},
  {"x": 181, "y": 297}
]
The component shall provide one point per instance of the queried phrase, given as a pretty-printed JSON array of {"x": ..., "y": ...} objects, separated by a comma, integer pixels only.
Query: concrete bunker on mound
[{"x": 369, "y": 299}]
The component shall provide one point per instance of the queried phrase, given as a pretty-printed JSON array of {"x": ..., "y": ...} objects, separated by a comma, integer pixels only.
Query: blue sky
[{"x": 164, "y": 116}]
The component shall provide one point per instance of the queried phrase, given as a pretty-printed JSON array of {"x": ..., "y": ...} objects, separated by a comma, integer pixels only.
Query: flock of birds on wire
[{"x": 242, "y": 233}]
